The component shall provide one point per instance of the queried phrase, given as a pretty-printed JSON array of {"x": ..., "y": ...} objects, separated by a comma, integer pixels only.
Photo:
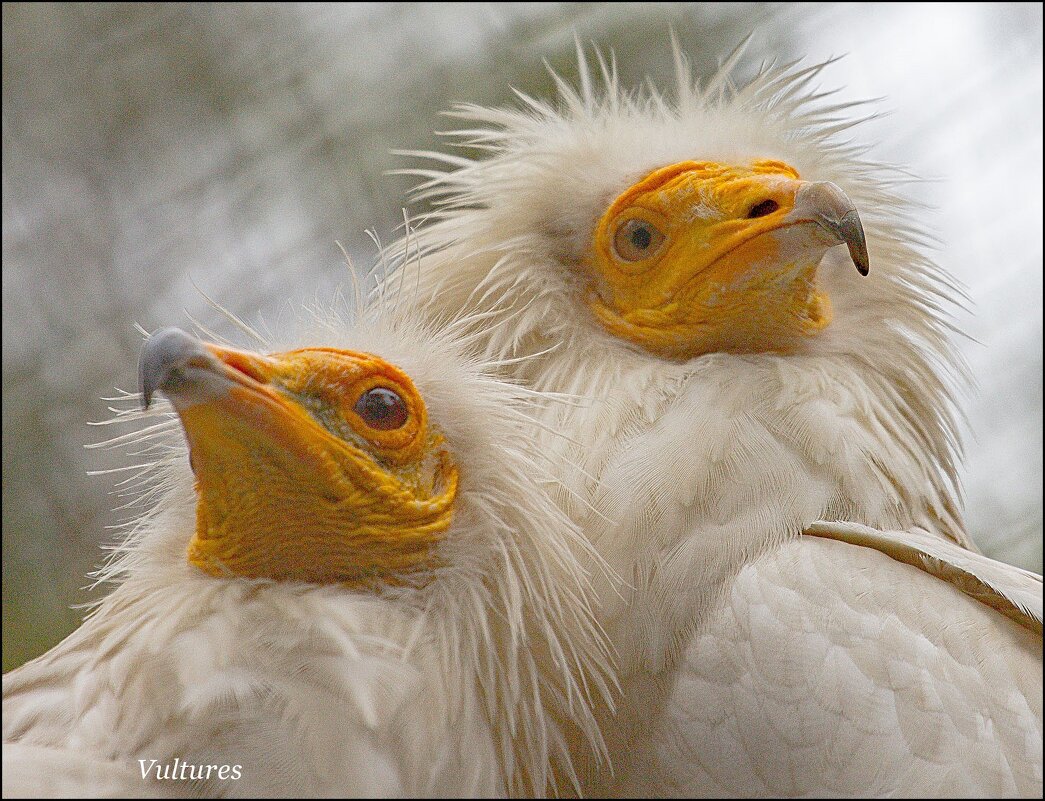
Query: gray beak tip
[
  {"x": 827, "y": 205},
  {"x": 163, "y": 352},
  {"x": 852, "y": 233}
]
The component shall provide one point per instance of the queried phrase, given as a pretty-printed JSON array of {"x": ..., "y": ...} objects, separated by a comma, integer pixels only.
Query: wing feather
[{"x": 1012, "y": 591}]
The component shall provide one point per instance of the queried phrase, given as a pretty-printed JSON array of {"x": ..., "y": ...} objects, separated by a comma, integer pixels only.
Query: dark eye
[
  {"x": 762, "y": 209},
  {"x": 382, "y": 409},
  {"x": 636, "y": 240}
]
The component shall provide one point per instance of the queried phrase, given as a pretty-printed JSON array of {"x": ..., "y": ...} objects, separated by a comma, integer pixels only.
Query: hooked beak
[
  {"x": 829, "y": 207},
  {"x": 189, "y": 371}
]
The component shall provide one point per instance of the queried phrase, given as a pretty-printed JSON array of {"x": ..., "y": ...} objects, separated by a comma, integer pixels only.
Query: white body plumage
[
  {"x": 695, "y": 478},
  {"x": 477, "y": 681}
]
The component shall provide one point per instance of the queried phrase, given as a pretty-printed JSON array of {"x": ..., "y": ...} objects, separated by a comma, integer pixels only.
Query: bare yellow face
[
  {"x": 701, "y": 257},
  {"x": 314, "y": 465}
]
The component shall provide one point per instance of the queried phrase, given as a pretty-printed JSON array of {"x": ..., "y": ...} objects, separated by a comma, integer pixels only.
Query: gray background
[{"x": 148, "y": 148}]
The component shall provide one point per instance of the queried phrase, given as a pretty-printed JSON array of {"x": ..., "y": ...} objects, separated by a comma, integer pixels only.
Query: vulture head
[
  {"x": 698, "y": 257},
  {"x": 733, "y": 234},
  {"x": 315, "y": 465},
  {"x": 707, "y": 219}
]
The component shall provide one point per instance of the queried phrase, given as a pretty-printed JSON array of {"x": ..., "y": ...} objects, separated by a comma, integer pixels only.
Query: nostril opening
[{"x": 762, "y": 209}]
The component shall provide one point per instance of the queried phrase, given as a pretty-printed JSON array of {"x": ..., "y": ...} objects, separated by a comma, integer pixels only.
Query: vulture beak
[
  {"x": 829, "y": 207},
  {"x": 189, "y": 371},
  {"x": 314, "y": 465}
]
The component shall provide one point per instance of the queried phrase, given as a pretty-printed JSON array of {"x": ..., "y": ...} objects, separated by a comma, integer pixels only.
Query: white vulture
[
  {"x": 363, "y": 592},
  {"x": 768, "y": 453}
]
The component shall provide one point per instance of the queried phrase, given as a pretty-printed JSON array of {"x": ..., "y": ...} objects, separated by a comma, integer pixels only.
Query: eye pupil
[
  {"x": 637, "y": 240},
  {"x": 641, "y": 237},
  {"x": 762, "y": 209},
  {"x": 382, "y": 409}
]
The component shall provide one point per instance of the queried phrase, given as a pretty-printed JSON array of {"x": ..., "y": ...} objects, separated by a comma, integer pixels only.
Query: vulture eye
[
  {"x": 636, "y": 240},
  {"x": 762, "y": 209},
  {"x": 382, "y": 409}
]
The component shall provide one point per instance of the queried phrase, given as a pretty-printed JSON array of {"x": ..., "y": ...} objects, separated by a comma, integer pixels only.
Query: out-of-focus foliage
[{"x": 148, "y": 149}]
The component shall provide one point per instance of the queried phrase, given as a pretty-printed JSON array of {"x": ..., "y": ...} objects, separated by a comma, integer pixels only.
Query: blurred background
[{"x": 149, "y": 149}]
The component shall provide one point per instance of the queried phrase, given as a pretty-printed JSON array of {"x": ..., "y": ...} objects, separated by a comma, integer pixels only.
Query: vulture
[
  {"x": 762, "y": 436},
  {"x": 348, "y": 580}
]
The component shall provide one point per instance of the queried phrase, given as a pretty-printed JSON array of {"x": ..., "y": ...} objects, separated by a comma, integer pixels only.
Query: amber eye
[
  {"x": 636, "y": 240},
  {"x": 382, "y": 409}
]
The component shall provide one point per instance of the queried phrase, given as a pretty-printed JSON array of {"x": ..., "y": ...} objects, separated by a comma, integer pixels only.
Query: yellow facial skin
[
  {"x": 298, "y": 478},
  {"x": 701, "y": 257}
]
